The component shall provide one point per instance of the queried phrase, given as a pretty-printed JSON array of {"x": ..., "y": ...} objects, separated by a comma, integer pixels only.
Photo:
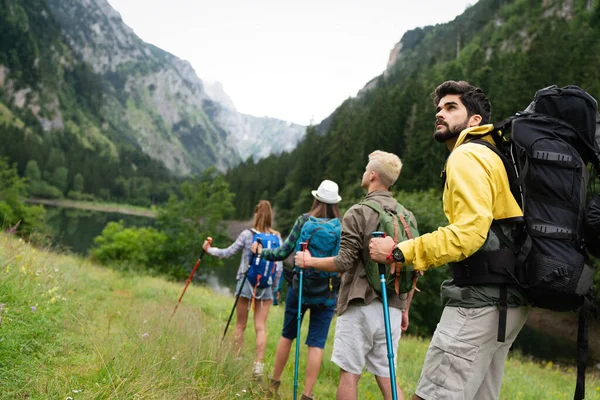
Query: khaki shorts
[
  {"x": 465, "y": 360},
  {"x": 359, "y": 340}
]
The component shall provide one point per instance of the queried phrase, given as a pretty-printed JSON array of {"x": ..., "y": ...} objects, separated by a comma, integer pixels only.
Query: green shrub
[{"x": 130, "y": 247}]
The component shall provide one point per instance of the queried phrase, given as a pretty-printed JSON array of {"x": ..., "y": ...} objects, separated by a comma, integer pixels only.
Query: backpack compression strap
[{"x": 398, "y": 212}]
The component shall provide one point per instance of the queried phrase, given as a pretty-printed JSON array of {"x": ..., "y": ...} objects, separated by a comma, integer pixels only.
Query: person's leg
[
  {"x": 492, "y": 382},
  {"x": 461, "y": 352},
  {"x": 281, "y": 356},
  {"x": 352, "y": 341},
  {"x": 241, "y": 314},
  {"x": 377, "y": 359},
  {"x": 347, "y": 389},
  {"x": 318, "y": 329},
  {"x": 386, "y": 388},
  {"x": 313, "y": 366},
  {"x": 260, "y": 321},
  {"x": 288, "y": 334}
]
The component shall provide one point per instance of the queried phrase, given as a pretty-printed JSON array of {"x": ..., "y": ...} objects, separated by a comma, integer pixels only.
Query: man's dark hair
[{"x": 473, "y": 98}]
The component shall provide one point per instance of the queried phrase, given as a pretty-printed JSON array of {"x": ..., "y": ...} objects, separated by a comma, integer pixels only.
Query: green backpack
[{"x": 401, "y": 225}]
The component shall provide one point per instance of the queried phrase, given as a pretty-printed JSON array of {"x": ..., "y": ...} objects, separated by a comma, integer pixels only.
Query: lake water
[{"x": 75, "y": 229}]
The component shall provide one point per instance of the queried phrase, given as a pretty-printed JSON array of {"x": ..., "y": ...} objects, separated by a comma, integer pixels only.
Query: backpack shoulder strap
[
  {"x": 512, "y": 177},
  {"x": 400, "y": 211},
  {"x": 373, "y": 205}
]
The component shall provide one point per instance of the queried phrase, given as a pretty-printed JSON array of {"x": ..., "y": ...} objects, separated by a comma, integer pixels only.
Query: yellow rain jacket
[{"x": 476, "y": 192}]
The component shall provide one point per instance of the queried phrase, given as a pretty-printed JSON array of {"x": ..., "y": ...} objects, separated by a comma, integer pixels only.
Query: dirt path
[{"x": 94, "y": 207}]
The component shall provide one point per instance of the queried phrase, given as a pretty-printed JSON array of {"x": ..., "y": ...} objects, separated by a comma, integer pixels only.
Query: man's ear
[
  {"x": 373, "y": 175},
  {"x": 474, "y": 120}
]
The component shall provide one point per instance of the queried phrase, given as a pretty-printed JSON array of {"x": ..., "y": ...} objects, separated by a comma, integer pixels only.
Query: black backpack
[{"x": 546, "y": 150}]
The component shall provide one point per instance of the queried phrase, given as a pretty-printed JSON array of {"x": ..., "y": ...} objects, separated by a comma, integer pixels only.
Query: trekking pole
[
  {"x": 386, "y": 318},
  {"x": 237, "y": 297},
  {"x": 303, "y": 245},
  {"x": 190, "y": 279},
  {"x": 276, "y": 291}
]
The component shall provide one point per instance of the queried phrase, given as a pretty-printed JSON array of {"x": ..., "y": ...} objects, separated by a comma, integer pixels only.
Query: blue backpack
[
  {"x": 319, "y": 288},
  {"x": 261, "y": 273}
]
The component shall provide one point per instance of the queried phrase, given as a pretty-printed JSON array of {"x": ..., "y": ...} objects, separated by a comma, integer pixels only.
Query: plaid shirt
[{"x": 288, "y": 246}]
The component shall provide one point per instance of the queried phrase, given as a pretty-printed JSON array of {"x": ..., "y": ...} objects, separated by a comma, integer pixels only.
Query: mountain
[
  {"x": 156, "y": 96},
  {"x": 74, "y": 75},
  {"x": 255, "y": 137}
]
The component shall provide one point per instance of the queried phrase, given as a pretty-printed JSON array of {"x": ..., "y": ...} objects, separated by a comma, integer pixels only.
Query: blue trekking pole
[
  {"x": 299, "y": 320},
  {"x": 386, "y": 318}
]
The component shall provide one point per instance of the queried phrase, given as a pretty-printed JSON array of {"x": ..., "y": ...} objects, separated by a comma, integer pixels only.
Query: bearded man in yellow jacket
[{"x": 484, "y": 309}]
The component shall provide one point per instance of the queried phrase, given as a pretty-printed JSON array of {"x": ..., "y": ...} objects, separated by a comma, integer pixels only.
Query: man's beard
[{"x": 443, "y": 136}]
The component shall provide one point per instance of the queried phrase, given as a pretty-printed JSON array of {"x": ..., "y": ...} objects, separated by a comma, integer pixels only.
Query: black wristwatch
[{"x": 397, "y": 255}]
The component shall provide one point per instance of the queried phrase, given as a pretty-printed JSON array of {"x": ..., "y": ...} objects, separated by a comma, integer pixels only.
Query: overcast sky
[{"x": 292, "y": 60}]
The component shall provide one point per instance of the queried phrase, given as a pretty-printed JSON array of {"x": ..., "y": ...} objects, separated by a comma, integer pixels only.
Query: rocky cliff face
[
  {"x": 154, "y": 98},
  {"x": 94, "y": 76},
  {"x": 256, "y": 137}
]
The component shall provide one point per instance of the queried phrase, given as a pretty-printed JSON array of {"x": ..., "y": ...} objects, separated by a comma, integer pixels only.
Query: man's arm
[
  {"x": 468, "y": 205},
  {"x": 350, "y": 246},
  {"x": 304, "y": 259}
]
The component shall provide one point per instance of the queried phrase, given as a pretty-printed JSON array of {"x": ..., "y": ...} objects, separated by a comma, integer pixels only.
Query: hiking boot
[
  {"x": 305, "y": 397},
  {"x": 273, "y": 389},
  {"x": 257, "y": 370}
]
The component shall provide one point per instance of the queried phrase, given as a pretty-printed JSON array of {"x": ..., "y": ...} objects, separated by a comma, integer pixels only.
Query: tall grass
[{"x": 70, "y": 329}]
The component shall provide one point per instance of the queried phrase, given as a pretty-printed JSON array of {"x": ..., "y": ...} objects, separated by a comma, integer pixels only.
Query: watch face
[{"x": 397, "y": 255}]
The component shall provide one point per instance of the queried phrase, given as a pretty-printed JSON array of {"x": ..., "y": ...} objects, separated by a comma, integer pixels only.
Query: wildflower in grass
[
  {"x": 33, "y": 309},
  {"x": 145, "y": 335},
  {"x": 53, "y": 300},
  {"x": 2, "y": 307}
]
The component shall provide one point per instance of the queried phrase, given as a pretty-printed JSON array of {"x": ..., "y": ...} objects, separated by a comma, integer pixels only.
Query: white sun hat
[{"x": 327, "y": 192}]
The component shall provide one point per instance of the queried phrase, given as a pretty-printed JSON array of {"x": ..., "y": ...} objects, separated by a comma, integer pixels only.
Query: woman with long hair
[
  {"x": 323, "y": 215},
  {"x": 263, "y": 218}
]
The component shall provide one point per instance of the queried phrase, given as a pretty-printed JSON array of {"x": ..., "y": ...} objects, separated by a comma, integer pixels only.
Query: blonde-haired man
[
  {"x": 360, "y": 331},
  {"x": 386, "y": 165}
]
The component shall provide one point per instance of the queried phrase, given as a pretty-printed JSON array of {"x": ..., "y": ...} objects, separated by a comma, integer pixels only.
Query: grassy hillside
[{"x": 70, "y": 329}]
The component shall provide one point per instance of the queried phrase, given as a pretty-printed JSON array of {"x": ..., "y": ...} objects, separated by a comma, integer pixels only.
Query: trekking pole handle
[
  {"x": 209, "y": 240},
  {"x": 304, "y": 246},
  {"x": 379, "y": 234}
]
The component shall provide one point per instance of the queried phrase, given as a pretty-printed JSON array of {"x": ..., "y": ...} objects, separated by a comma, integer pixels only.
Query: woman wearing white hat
[{"x": 321, "y": 228}]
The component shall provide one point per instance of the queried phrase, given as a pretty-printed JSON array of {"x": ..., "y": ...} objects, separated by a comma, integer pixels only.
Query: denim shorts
[
  {"x": 318, "y": 328},
  {"x": 249, "y": 291}
]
